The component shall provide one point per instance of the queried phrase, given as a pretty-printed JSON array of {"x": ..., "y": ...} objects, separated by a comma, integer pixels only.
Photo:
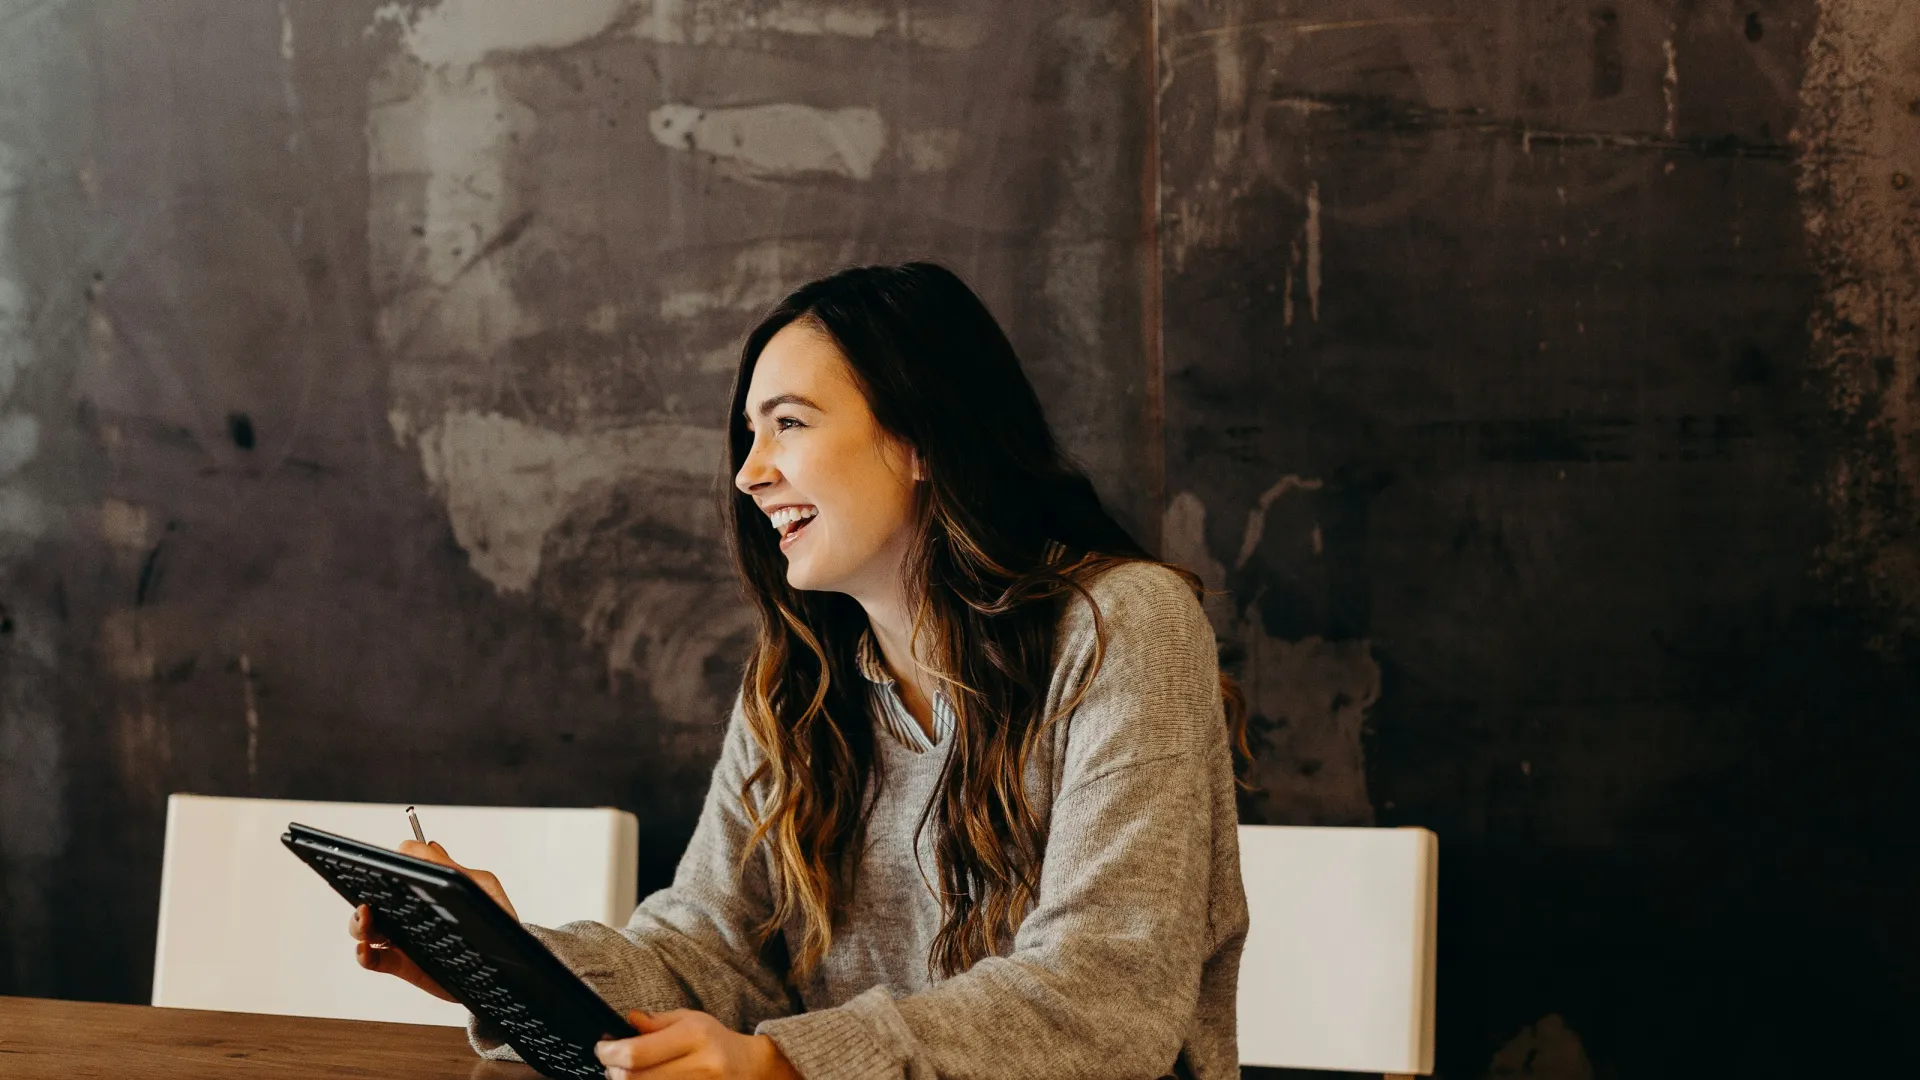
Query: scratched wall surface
[
  {"x": 362, "y": 371},
  {"x": 1540, "y": 385},
  {"x": 1537, "y": 382}
]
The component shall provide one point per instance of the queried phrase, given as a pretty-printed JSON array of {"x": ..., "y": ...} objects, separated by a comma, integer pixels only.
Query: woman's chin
[
  {"x": 802, "y": 559},
  {"x": 806, "y": 578},
  {"x": 800, "y": 575}
]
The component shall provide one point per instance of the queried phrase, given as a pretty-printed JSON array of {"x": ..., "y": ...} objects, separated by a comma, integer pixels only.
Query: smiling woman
[
  {"x": 820, "y": 464},
  {"x": 974, "y": 812}
]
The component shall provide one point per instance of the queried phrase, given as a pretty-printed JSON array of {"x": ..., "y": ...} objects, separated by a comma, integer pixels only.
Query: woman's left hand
[{"x": 682, "y": 1044}]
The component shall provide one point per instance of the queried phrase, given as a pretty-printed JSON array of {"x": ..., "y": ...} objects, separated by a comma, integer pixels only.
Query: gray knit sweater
[{"x": 1125, "y": 966}]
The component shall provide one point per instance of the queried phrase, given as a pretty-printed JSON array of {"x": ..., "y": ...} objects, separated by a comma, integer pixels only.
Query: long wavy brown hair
[{"x": 1000, "y": 497}]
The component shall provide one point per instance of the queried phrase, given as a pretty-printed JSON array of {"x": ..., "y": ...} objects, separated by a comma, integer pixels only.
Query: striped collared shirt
[
  {"x": 891, "y": 709},
  {"x": 888, "y": 707}
]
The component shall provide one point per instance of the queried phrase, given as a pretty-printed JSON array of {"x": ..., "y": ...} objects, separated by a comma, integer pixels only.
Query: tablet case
[{"x": 472, "y": 948}]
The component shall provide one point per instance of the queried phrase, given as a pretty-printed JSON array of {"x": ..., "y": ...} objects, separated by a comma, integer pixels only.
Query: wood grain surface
[{"x": 41, "y": 1039}]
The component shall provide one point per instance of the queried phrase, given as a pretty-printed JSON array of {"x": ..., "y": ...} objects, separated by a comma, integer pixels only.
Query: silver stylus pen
[{"x": 414, "y": 820}]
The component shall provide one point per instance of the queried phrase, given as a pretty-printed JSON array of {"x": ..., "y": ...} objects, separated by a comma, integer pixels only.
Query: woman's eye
[{"x": 782, "y": 422}]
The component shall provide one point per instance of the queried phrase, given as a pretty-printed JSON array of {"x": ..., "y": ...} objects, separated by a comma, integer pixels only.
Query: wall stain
[
  {"x": 1433, "y": 94},
  {"x": 1307, "y": 699},
  {"x": 742, "y": 25},
  {"x": 1856, "y": 135},
  {"x": 506, "y": 483}
]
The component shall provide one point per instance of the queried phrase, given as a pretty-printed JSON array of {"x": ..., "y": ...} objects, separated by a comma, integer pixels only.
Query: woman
[{"x": 974, "y": 812}]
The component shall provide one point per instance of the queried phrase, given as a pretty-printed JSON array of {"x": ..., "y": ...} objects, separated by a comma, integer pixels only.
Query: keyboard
[{"x": 419, "y": 920}]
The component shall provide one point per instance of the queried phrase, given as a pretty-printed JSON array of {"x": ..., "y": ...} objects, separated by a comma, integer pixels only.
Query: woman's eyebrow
[{"x": 778, "y": 400}]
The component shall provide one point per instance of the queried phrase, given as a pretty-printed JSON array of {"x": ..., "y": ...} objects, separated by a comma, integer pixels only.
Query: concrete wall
[
  {"x": 1543, "y": 382},
  {"x": 1538, "y": 381}
]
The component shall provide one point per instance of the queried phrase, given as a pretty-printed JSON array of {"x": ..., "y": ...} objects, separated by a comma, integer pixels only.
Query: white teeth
[{"x": 787, "y": 516}]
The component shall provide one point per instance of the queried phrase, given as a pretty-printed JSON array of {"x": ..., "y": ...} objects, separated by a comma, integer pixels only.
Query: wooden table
[{"x": 71, "y": 1040}]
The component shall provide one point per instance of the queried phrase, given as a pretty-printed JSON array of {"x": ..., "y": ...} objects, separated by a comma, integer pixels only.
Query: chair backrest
[
  {"x": 1338, "y": 970},
  {"x": 247, "y": 927}
]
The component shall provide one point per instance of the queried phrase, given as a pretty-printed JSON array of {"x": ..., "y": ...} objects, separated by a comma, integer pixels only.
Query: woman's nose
[{"x": 755, "y": 472}]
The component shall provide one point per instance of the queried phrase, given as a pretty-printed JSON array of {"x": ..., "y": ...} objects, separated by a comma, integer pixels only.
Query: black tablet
[{"x": 472, "y": 947}]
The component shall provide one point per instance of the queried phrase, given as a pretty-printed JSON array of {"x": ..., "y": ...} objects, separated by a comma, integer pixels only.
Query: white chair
[
  {"x": 247, "y": 927},
  {"x": 1338, "y": 969}
]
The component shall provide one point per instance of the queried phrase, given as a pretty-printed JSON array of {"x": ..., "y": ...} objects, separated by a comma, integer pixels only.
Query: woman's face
[{"x": 835, "y": 485}]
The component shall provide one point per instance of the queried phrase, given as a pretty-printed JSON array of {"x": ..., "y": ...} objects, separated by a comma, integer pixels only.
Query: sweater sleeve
[
  {"x": 690, "y": 945},
  {"x": 1105, "y": 970}
]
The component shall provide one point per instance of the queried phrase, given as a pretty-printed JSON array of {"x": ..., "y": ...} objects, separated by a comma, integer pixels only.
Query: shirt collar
[{"x": 866, "y": 656}]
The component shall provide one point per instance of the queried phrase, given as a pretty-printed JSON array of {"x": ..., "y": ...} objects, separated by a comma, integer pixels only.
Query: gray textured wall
[
  {"x": 1540, "y": 382},
  {"x": 368, "y": 367}
]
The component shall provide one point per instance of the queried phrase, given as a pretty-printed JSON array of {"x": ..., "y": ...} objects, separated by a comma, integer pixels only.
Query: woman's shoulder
[
  {"x": 1150, "y": 624},
  {"x": 1134, "y": 593},
  {"x": 1146, "y": 683}
]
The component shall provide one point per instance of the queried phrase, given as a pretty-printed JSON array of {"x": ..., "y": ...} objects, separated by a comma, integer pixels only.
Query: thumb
[{"x": 649, "y": 1022}]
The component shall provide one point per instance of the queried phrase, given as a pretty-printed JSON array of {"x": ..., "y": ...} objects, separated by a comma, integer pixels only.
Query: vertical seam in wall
[{"x": 1151, "y": 317}]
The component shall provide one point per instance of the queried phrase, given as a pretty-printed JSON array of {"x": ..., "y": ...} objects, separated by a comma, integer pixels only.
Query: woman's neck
[{"x": 892, "y": 623}]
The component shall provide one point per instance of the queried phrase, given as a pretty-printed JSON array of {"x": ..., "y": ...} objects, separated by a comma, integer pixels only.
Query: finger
[
  {"x": 433, "y": 853},
  {"x": 442, "y": 852},
  {"x": 386, "y": 961},
  {"x": 649, "y": 1051},
  {"x": 360, "y": 925},
  {"x": 694, "y": 1066},
  {"x": 646, "y": 1022}
]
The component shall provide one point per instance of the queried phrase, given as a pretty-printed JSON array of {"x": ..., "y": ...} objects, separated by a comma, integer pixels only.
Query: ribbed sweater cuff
[
  {"x": 488, "y": 1041},
  {"x": 832, "y": 1044},
  {"x": 640, "y": 987}
]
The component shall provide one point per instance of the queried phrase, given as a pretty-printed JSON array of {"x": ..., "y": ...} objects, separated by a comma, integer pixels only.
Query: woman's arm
[
  {"x": 1106, "y": 970},
  {"x": 690, "y": 945}
]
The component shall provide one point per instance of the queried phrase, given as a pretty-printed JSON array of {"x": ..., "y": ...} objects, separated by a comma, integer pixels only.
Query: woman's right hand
[{"x": 375, "y": 953}]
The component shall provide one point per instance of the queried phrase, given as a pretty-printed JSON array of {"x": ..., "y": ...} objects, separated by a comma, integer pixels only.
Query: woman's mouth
[{"x": 791, "y": 521}]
